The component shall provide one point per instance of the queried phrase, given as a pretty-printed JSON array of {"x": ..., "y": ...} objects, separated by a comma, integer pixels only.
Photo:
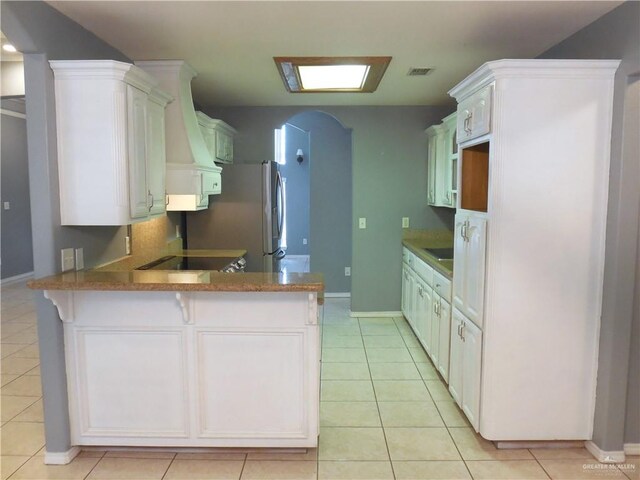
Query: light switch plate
[
  {"x": 405, "y": 222},
  {"x": 79, "y": 258},
  {"x": 67, "y": 257},
  {"x": 362, "y": 222},
  {"x": 304, "y": 241},
  {"x": 347, "y": 271},
  {"x": 7, "y": 205}
]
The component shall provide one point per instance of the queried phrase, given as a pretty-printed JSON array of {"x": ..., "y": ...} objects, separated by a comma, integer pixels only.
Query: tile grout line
[
  {"x": 375, "y": 396},
  {"x": 168, "y": 466},
  {"x": 538, "y": 462}
]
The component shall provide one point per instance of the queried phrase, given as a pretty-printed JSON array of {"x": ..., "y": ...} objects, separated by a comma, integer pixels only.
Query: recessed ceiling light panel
[{"x": 331, "y": 74}]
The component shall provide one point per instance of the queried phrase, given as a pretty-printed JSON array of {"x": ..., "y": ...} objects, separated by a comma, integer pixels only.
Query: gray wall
[
  {"x": 298, "y": 187},
  {"x": 43, "y": 34},
  {"x": 15, "y": 231},
  {"x": 616, "y": 35},
  {"x": 389, "y": 176},
  {"x": 330, "y": 198}
]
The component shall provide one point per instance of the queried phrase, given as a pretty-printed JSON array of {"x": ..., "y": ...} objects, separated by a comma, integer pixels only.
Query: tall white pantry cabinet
[{"x": 533, "y": 171}]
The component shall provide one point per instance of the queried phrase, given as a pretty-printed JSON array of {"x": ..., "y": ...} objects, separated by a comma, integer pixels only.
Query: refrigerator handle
[{"x": 280, "y": 205}]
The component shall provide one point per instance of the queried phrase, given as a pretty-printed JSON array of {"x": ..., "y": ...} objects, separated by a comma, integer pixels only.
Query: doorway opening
[{"x": 313, "y": 150}]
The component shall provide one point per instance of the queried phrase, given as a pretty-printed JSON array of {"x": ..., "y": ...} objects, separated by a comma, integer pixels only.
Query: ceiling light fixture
[
  {"x": 7, "y": 47},
  {"x": 331, "y": 74}
]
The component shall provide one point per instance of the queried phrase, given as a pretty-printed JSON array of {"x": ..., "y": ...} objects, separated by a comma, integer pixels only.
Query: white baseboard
[
  {"x": 16, "y": 279},
  {"x": 603, "y": 456},
  {"x": 375, "y": 314},
  {"x": 632, "y": 448},
  {"x": 338, "y": 295},
  {"x": 61, "y": 458}
]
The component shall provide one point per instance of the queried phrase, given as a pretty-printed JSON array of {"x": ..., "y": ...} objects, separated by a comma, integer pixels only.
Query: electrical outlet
[
  {"x": 362, "y": 222},
  {"x": 304, "y": 241},
  {"x": 405, "y": 222},
  {"x": 67, "y": 259},
  {"x": 79, "y": 258},
  {"x": 127, "y": 245},
  {"x": 347, "y": 271},
  {"x": 178, "y": 233},
  {"x": 7, "y": 205}
]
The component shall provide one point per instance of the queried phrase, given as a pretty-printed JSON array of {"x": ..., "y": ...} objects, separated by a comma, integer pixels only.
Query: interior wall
[
  {"x": 298, "y": 187},
  {"x": 616, "y": 36},
  {"x": 389, "y": 181},
  {"x": 41, "y": 33},
  {"x": 330, "y": 198},
  {"x": 15, "y": 229}
]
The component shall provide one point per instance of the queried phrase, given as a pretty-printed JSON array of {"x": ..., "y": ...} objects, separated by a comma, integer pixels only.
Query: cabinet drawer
[
  {"x": 424, "y": 271},
  {"x": 442, "y": 286},
  {"x": 474, "y": 115},
  {"x": 405, "y": 254},
  {"x": 211, "y": 183}
]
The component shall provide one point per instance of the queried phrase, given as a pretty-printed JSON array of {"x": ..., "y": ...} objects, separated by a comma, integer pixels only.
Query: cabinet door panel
[
  {"x": 435, "y": 331},
  {"x": 474, "y": 270},
  {"x": 137, "y": 152},
  {"x": 431, "y": 169},
  {"x": 460, "y": 263},
  {"x": 472, "y": 341},
  {"x": 423, "y": 314},
  {"x": 156, "y": 157},
  {"x": 273, "y": 406},
  {"x": 405, "y": 291},
  {"x": 131, "y": 383},
  {"x": 444, "y": 340},
  {"x": 456, "y": 358}
]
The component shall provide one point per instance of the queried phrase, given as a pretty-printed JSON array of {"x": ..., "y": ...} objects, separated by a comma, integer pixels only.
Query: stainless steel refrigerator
[{"x": 249, "y": 214}]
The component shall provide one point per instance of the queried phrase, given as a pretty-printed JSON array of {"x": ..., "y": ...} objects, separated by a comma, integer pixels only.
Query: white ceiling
[{"x": 232, "y": 43}]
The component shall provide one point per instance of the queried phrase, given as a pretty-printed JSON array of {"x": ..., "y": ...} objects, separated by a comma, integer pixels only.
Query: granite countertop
[
  {"x": 173, "y": 281},
  {"x": 417, "y": 240},
  {"x": 121, "y": 275}
]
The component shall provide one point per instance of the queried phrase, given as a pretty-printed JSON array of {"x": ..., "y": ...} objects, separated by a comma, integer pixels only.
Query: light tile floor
[{"x": 384, "y": 414}]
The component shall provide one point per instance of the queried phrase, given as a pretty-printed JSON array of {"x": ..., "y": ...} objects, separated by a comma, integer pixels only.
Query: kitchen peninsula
[{"x": 190, "y": 359}]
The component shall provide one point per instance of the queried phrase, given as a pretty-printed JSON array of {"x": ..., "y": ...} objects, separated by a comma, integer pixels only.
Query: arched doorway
[{"x": 318, "y": 197}]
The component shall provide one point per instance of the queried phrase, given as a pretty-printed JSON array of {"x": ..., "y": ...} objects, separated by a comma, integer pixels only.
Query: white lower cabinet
[
  {"x": 426, "y": 296},
  {"x": 465, "y": 366},
  {"x": 184, "y": 369}
]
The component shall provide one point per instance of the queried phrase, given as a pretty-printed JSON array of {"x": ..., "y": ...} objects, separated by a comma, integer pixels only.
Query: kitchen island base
[{"x": 191, "y": 368}]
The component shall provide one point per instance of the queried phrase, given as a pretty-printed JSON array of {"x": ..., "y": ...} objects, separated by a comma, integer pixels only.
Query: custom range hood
[{"x": 191, "y": 172}]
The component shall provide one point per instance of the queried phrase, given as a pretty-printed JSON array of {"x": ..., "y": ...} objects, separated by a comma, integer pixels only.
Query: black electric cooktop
[{"x": 177, "y": 262}]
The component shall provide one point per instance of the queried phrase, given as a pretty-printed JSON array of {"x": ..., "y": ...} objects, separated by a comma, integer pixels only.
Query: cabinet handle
[
  {"x": 462, "y": 327},
  {"x": 459, "y": 333},
  {"x": 149, "y": 194},
  {"x": 166, "y": 199},
  {"x": 467, "y": 122},
  {"x": 463, "y": 231}
]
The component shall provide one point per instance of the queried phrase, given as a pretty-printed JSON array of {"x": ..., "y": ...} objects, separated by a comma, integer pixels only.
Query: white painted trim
[
  {"x": 11, "y": 113},
  {"x": 375, "y": 314},
  {"x": 632, "y": 448},
  {"x": 338, "y": 295},
  {"x": 16, "y": 279},
  {"x": 297, "y": 257},
  {"x": 602, "y": 456},
  {"x": 61, "y": 458}
]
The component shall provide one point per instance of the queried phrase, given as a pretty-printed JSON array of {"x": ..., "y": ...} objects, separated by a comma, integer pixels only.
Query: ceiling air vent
[{"x": 419, "y": 71}]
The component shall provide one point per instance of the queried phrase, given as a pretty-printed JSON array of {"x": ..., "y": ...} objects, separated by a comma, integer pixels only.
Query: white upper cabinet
[
  {"x": 442, "y": 158},
  {"x": 218, "y": 137},
  {"x": 474, "y": 115},
  {"x": 110, "y": 161},
  {"x": 434, "y": 147},
  {"x": 192, "y": 174}
]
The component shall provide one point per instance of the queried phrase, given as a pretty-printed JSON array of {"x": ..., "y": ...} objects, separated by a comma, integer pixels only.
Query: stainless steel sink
[{"x": 440, "y": 253}]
